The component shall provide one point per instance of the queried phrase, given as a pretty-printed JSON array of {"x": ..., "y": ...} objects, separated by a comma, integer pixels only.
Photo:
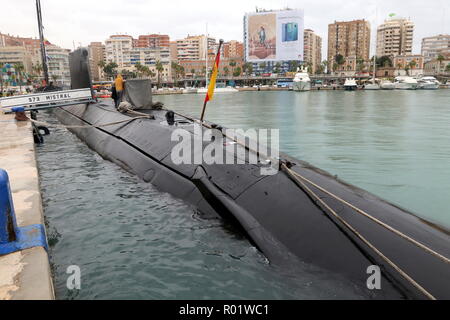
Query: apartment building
[
  {"x": 58, "y": 64},
  {"x": 118, "y": 49},
  {"x": 96, "y": 55},
  {"x": 395, "y": 37},
  {"x": 351, "y": 39},
  {"x": 312, "y": 49},
  {"x": 434, "y": 46},
  {"x": 233, "y": 49},
  {"x": 195, "y": 47},
  {"x": 152, "y": 41},
  {"x": 15, "y": 54},
  {"x": 148, "y": 56}
]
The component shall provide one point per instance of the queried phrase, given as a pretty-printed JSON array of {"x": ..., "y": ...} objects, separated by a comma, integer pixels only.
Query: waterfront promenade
[{"x": 26, "y": 274}]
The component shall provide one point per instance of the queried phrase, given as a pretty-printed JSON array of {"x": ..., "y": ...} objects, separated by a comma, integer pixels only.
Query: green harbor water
[{"x": 133, "y": 242}]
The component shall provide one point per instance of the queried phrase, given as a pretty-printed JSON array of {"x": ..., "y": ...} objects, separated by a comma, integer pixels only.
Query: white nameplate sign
[{"x": 46, "y": 98}]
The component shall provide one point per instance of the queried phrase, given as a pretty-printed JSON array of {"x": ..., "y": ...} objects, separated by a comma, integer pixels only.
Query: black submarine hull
[
  {"x": 277, "y": 216},
  {"x": 276, "y": 213}
]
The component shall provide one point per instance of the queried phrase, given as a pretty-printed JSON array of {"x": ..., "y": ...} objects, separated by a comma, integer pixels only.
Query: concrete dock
[{"x": 26, "y": 274}]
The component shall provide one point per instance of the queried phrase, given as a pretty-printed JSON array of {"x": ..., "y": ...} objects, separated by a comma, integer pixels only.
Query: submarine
[{"x": 299, "y": 214}]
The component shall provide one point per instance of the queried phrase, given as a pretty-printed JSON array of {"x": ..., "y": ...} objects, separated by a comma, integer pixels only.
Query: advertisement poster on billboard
[{"x": 275, "y": 36}]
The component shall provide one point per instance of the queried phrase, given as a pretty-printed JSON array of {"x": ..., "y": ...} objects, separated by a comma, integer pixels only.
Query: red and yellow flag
[{"x": 212, "y": 82}]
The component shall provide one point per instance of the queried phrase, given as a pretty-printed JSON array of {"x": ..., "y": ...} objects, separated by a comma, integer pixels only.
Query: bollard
[
  {"x": 20, "y": 113},
  {"x": 13, "y": 238}
]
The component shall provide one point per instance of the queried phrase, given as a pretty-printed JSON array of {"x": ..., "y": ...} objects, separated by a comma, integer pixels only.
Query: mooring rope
[
  {"x": 361, "y": 237},
  {"x": 379, "y": 222},
  {"x": 43, "y": 123}
]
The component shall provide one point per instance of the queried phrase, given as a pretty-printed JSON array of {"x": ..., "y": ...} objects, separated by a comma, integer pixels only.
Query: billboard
[{"x": 274, "y": 36}]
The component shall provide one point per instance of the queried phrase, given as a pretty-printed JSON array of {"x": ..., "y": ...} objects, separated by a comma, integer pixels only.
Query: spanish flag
[{"x": 212, "y": 82}]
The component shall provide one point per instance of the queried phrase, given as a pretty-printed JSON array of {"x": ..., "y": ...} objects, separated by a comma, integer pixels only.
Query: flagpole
[{"x": 216, "y": 65}]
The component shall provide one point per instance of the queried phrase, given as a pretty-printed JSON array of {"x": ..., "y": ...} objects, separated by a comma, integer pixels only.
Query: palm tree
[
  {"x": 440, "y": 58},
  {"x": 237, "y": 72},
  {"x": 340, "y": 60},
  {"x": 37, "y": 68},
  {"x": 293, "y": 66},
  {"x": 335, "y": 66},
  {"x": 232, "y": 65},
  {"x": 412, "y": 64},
  {"x": 263, "y": 66},
  {"x": 159, "y": 68},
  {"x": 177, "y": 71},
  {"x": 406, "y": 68},
  {"x": 248, "y": 68},
  {"x": 20, "y": 68},
  {"x": 277, "y": 68},
  {"x": 55, "y": 77},
  {"x": 110, "y": 69},
  {"x": 399, "y": 66},
  {"x": 360, "y": 64},
  {"x": 138, "y": 68}
]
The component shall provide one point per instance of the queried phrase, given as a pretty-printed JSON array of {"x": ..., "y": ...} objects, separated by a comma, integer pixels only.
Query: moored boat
[
  {"x": 428, "y": 83},
  {"x": 218, "y": 90},
  {"x": 301, "y": 81},
  {"x": 405, "y": 83},
  {"x": 387, "y": 85},
  {"x": 350, "y": 84}
]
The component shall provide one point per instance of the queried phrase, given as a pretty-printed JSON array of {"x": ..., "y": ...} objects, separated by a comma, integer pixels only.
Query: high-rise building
[
  {"x": 118, "y": 49},
  {"x": 15, "y": 55},
  {"x": 30, "y": 44},
  {"x": 195, "y": 47},
  {"x": 312, "y": 49},
  {"x": 233, "y": 49},
  {"x": 152, "y": 41},
  {"x": 173, "y": 51},
  {"x": 395, "y": 37},
  {"x": 96, "y": 55},
  {"x": 434, "y": 46},
  {"x": 58, "y": 64},
  {"x": 149, "y": 56},
  {"x": 351, "y": 40}
]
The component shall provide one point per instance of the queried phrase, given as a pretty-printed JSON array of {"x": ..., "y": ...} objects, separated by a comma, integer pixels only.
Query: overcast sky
[{"x": 84, "y": 21}]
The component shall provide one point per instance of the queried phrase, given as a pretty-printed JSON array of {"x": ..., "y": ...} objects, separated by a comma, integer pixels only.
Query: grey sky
[{"x": 83, "y": 21}]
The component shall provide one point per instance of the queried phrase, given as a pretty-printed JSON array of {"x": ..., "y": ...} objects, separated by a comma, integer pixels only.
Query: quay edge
[{"x": 25, "y": 274}]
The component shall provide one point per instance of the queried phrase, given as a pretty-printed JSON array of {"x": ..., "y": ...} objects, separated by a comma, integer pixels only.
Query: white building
[
  {"x": 395, "y": 37},
  {"x": 118, "y": 49},
  {"x": 194, "y": 47},
  {"x": 149, "y": 56},
  {"x": 434, "y": 46},
  {"x": 58, "y": 64}
]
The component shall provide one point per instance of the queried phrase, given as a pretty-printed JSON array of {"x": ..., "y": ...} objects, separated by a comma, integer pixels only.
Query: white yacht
[
  {"x": 372, "y": 85},
  {"x": 218, "y": 90},
  {"x": 428, "y": 83},
  {"x": 405, "y": 83},
  {"x": 302, "y": 82},
  {"x": 190, "y": 90},
  {"x": 350, "y": 84},
  {"x": 387, "y": 85}
]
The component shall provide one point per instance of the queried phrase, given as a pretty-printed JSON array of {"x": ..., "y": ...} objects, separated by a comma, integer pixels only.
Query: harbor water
[{"x": 133, "y": 242}]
